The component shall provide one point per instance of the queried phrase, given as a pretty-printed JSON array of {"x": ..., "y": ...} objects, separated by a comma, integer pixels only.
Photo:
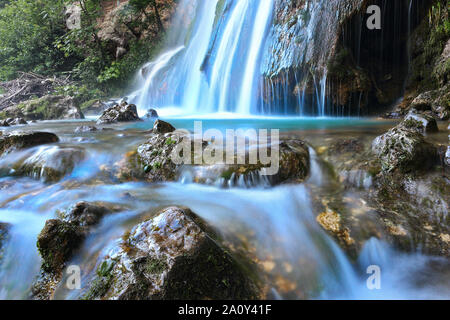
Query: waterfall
[
  {"x": 271, "y": 57},
  {"x": 219, "y": 69}
]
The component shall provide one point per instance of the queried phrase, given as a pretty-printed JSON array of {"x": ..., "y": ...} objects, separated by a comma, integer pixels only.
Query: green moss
[
  {"x": 100, "y": 286},
  {"x": 87, "y": 104},
  {"x": 157, "y": 165},
  {"x": 155, "y": 266}
]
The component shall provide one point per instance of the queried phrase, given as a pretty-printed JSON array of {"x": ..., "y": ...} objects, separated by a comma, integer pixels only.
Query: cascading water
[
  {"x": 219, "y": 69},
  {"x": 278, "y": 223},
  {"x": 233, "y": 61}
]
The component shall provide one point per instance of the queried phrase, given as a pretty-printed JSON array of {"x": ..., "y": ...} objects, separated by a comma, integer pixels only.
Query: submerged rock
[
  {"x": 172, "y": 256},
  {"x": 59, "y": 240},
  {"x": 21, "y": 140},
  {"x": 51, "y": 163},
  {"x": 46, "y": 108},
  {"x": 84, "y": 129},
  {"x": 405, "y": 149},
  {"x": 119, "y": 113}
]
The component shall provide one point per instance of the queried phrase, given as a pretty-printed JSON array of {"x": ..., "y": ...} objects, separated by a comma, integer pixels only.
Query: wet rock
[
  {"x": 347, "y": 145},
  {"x": 423, "y": 102},
  {"x": 154, "y": 157},
  {"x": 46, "y": 108},
  {"x": 404, "y": 149},
  {"x": 59, "y": 240},
  {"x": 414, "y": 211},
  {"x": 21, "y": 140},
  {"x": 172, "y": 256},
  {"x": 57, "y": 243},
  {"x": 16, "y": 121},
  {"x": 162, "y": 127},
  {"x": 84, "y": 129},
  {"x": 435, "y": 101},
  {"x": 51, "y": 164},
  {"x": 153, "y": 162},
  {"x": 4, "y": 229},
  {"x": 119, "y": 113},
  {"x": 87, "y": 214},
  {"x": 331, "y": 222},
  {"x": 152, "y": 114},
  {"x": 4, "y": 123},
  {"x": 447, "y": 157},
  {"x": 420, "y": 122}
]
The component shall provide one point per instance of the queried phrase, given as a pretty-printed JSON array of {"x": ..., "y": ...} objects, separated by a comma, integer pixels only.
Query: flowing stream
[{"x": 276, "y": 226}]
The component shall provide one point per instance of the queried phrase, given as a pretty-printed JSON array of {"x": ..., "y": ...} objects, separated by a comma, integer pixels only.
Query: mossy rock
[
  {"x": 21, "y": 140},
  {"x": 172, "y": 256},
  {"x": 49, "y": 107},
  {"x": 57, "y": 242},
  {"x": 405, "y": 150}
]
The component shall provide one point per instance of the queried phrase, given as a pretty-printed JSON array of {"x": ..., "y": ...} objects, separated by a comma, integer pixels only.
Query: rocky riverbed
[{"x": 106, "y": 197}]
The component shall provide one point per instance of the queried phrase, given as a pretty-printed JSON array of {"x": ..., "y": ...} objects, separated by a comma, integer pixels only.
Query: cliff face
[
  {"x": 305, "y": 33},
  {"x": 321, "y": 58}
]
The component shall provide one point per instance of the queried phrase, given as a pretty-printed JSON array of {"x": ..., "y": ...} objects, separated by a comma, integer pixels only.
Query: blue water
[{"x": 284, "y": 124}]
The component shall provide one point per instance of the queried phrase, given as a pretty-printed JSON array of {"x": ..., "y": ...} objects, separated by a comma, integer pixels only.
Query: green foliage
[
  {"x": 34, "y": 37},
  {"x": 28, "y": 30},
  {"x": 81, "y": 93}
]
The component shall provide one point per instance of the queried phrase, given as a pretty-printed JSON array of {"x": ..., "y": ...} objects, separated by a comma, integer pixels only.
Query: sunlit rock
[
  {"x": 405, "y": 149},
  {"x": 172, "y": 256}
]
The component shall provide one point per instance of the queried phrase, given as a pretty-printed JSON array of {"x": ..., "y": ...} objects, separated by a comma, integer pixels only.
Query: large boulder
[
  {"x": 172, "y": 256},
  {"x": 17, "y": 140},
  {"x": 153, "y": 161},
  {"x": 49, "y": 107},
  {"x": 404, "y": 149},
  {"x": 119, "y": 113},
  {"x": 60, "y": 239},
  {"x": 51, "y": 163}
]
